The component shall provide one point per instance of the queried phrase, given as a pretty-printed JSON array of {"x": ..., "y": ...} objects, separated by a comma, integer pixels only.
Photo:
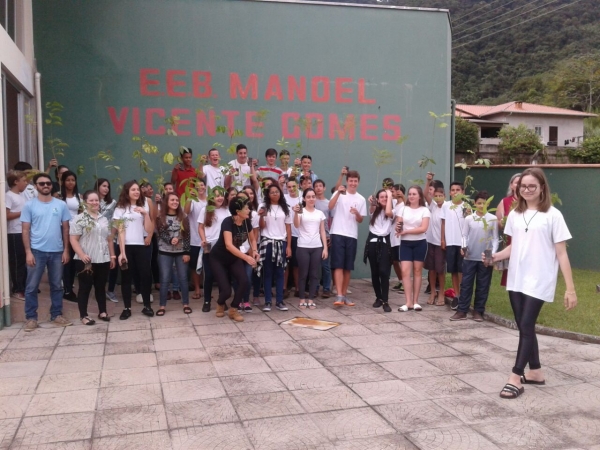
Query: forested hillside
[{"x": 526, "y": 62}]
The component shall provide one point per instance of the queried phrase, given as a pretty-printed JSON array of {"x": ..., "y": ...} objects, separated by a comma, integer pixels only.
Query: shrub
[
  {"x": 515, "y": 140},
  {"x": 588, "y": 153},
  {"x": 466, "y": 136}
]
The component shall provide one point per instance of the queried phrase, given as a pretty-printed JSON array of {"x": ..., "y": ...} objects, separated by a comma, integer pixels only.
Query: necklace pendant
[{"x": 526, "y": 229}]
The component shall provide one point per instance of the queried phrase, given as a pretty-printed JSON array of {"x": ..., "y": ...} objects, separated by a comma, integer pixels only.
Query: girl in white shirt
[
  {"x": 193, "y": 208},
  {"x": 414, "y": 222},
  {"x": 209, "y": 227},
  {"x": 69, "y": 193},
  {"x": 312, "y": 245},
  {"x": 133, "y": 222},
  {"x": 378, "y": 248},
  {"x": 538, "y": 248}
]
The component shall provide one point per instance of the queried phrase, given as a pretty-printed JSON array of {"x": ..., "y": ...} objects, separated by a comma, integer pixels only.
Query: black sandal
[
  {"x": 512, "y": 390},
  {"x": 160, "y": 312},
  {"x": 87, "y": 321},
  {"x": 187, "y": 309},
  {"x": 104, "y": 317},
  {"x": 526, "y": 381}
]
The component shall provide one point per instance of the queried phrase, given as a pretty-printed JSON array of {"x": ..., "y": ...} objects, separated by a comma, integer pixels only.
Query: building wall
[
  {"x": 568, "y": 127},
  {"x": 121, "y": 67}
]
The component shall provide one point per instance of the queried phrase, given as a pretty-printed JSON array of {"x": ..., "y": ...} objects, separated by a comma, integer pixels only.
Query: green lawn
[{"x": 585, "y": 318}]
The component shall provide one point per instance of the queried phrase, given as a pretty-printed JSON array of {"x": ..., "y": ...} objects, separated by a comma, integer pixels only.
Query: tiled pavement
[{"x": 378, "y": 381}]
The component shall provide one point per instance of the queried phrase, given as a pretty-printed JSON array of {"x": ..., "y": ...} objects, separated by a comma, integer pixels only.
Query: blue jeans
[
  {"x": 165, "y": 269},
  {"x": 43, "y": 260},
  {"x": 271, "y": 270},
  {"x": 175, "y": 282},
  {"x": 474, "y": 272},
  {"x": 326, "y": 274}
]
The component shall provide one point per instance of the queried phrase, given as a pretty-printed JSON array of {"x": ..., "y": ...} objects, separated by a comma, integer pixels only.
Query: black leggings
[
  {"x": 526, "y": 309},
  {"x": 309, "y": 265},
  {"x": 138, "y": 260},
  {"x": 223, "y": 273},
  {"x": 380, "y": 269},
  {"x": 87, "y": 280}
]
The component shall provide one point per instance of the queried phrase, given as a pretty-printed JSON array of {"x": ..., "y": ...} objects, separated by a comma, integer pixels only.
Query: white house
[{"x": 555, "y": 126}]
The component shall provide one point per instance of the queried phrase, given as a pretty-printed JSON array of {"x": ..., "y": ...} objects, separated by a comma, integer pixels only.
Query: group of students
[{"x": 246, "y": 227}]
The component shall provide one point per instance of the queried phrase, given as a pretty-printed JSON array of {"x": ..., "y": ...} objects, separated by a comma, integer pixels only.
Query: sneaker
[
  {"x": 454, "y": 304},
  {"x": 339, "y": 301},
  {"x": 267, "y": 307},
  {"x": 148, "y": 312},
  {"x": 240, "y": 308},
  {"x": 281, "y": 306},
  {"x": 428, "y": 289},
  {"x": 386, "y": 307},
  {"x": 176, "y": 295},
  {"x": 348, "y": 302},
  {"x": 30, "y": 325},
  {"x": 477, "y": 317},
  {"x": 126, "y": 314},
  {"x": 326, "y": 294},
  {"x": 378, "y": 303},
  {"x": 70, "y": 296},
  {"x": 206, "y": 307},
  {"x": 458, "y": 315},
  {"x": 112, "y": 297},
  {"x": 19, "y": 295},
  {"x": 247, "y": 307},
  {"x": 60, "y": 321},
  {"x": 397, "y": 287},
  {"x": 139, "y": 299}
]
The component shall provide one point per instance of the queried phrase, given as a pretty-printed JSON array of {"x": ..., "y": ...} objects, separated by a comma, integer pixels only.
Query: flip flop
[
  {"x": 160, "y": 312},
  {"x": 302, "y": 305},
  {"x": 512, "y": 391},
  {"x": 312, "y": 305},
  {"x": 187, "y": 309}
]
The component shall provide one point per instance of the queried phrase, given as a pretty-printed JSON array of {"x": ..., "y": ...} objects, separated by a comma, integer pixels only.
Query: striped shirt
[{"x": 94, "y": 234}]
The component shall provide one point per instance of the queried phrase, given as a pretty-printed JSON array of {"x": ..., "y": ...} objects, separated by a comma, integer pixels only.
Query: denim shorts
[
  {"x": 343, "y": 252},
  {"x": 413, "y": 250}
]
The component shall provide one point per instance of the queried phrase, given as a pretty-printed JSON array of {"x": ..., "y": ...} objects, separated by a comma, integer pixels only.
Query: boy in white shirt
[
  {"x": 292, "y": 199},
  {"x": 453, "y": 215},
  {"x": 15, "y": 201},
  {"x": 241, "y": 172},
  {"x": 213, "y": 172},
  {"x": 481, "y": 233},
  {"x": 435, "y": 262},
  {"x": 349, "y": 208}
]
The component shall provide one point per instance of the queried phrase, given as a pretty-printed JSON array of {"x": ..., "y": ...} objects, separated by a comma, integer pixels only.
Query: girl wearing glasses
[{"x": 538, "y": 248}]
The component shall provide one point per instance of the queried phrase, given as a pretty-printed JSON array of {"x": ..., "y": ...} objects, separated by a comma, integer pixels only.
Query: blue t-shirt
[{"x": 46, "y": 220}]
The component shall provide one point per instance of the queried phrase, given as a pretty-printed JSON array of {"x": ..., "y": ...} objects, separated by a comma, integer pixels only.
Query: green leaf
[{"x": 168, "y": 158}]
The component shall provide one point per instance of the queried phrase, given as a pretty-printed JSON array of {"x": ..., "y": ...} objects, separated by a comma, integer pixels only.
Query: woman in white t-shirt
[
  {"x": 378, "y": 248},
  {"x": 69, "y": 193},
  {"x": 209, "y": 227},
  {"x": 193, "y": 208},
  {"x": 412, "y": 226},
  {"x": 275, "y": 243},
  {"x": 538, "y": 247},
  {"x": 133, "y": 223},
  {"x": 312, "y": 245}
]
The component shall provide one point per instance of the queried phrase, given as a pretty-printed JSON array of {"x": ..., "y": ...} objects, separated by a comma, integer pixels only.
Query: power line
[
  {"x": 517, "y": 24},
  {"x": 502, "y": 15},
  {"x": 505, "y": 20},
  {"x": 501, "y": 6}
]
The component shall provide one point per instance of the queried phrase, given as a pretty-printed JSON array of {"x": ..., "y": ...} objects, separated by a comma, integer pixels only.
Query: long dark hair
[
  {"x": 99, "y": 182},
  {"x": 124, "y": 202},
  {"x": 378, "y": 209},
  {"x": 161, "y": 220},
  {"x": 63, "y": 190},
  {"x": 252, "y": 203},
  {"x": 210, "y": 215},
  {"x": 282, "y": 203}
]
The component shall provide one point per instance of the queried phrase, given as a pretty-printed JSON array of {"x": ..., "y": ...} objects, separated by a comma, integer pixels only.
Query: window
[
  {"x": 538, "y": 130},
  {"x": 490, "y": 132},
  {"x": 8, "y": 16}
]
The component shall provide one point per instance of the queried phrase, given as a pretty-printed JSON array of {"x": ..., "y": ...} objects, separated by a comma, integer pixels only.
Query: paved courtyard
[{"x": 378, "y": 381}]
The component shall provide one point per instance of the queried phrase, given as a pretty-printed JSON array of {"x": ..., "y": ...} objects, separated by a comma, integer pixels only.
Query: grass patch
[{"x": 585, "y": 318}]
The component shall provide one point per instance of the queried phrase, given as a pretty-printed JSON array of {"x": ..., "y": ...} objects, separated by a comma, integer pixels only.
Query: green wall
[
  {"x": 578, "y": 189},
  {"x": 386, "y": 67}
]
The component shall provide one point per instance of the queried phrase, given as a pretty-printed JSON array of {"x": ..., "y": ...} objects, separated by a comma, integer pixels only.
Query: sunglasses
[{"x": 44, "y": 183}]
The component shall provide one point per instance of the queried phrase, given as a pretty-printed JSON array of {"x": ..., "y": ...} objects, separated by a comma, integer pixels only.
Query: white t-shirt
[
  {"x": 134, "y": 225},
  {"x": 242, "y": 177},
  {"x": 454, "y": 222},
  {"x": 398, "y": 210},
  {"x": 29, "y": 192},
  {"x": 344, "y": 222},
  {"x": 195, "y": 209},
  {"x": 293, "y": 201},
  {"x": 15, "y": 203},
  {"x": 434, "y": 232},
  {"x": 72, "y": 206},
  {"x": 383, "y": 225},
  {"x": 413, "y": 218},
  {"x": 212, "y": 233},
  {"x": 275, "y": 222},
  {"x": 214, "y": 176},
  {"x": 310, "y": 229},
  {"x": 533, "y": 265}
]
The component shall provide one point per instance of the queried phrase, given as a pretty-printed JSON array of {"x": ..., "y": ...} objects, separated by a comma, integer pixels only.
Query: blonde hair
[
  {"x": 510, "y": 191},
  {"x": 545, "y": 196}
]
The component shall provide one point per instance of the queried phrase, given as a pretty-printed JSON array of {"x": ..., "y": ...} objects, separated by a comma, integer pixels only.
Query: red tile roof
[{"x": 515, "y": 107}]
